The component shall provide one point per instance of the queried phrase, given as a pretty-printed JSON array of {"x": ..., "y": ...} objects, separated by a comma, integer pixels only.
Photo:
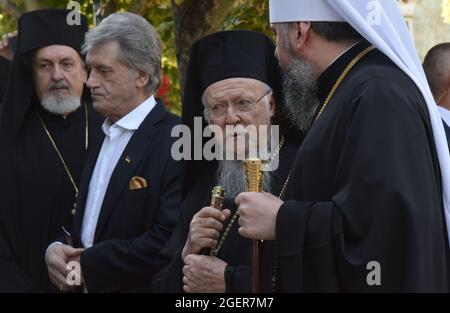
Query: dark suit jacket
[{"x": 133, "y": 224}]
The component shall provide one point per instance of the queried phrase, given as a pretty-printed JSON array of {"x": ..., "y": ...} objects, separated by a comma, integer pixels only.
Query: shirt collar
[
  {"x": 133, "y": 119},
  {"x": 343, "y": 52},
  {"x": 445, "y": 114}
]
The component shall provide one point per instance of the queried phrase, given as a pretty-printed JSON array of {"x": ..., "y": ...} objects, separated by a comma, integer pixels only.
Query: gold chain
[
  {"x": 69, "y": 174},
  {"x": 330, "y": 95},
  {"x": 280, "y": 145},
  {"x": 215, "y": 251},
  {"x": 342, "y": 77}
]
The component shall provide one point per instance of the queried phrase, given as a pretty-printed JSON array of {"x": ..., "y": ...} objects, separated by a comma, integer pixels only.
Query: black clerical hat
[
  {"x": 36, "y": 29},
  {"x": 50, "y": 27}
]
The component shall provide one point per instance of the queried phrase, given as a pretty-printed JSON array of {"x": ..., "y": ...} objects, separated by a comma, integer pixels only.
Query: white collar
[
  {"x": 133, "y": 119},
  {"x": 343, "y": 52},
  {"x": 445, "y": 114}
]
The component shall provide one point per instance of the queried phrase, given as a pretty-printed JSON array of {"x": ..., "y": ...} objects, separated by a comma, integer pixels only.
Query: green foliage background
[{"x": 246, "y": 14}]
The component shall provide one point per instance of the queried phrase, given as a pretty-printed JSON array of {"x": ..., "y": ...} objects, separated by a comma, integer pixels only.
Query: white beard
[
  {"x": 60, "y": 105},
  {"x": 231, "y": 176}
]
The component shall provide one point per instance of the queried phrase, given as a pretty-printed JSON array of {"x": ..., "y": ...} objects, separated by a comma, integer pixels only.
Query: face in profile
[{"x": 113, "y": 84}]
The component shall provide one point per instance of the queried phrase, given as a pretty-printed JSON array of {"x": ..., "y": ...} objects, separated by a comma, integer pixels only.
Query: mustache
[
  {"x": 94, "y": 92},
  {"x": 58, "y": 85},
  {"x": 239, "y": 130}
]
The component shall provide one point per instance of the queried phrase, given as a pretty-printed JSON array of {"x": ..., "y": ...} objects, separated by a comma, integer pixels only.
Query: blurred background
[{"x": 181, "y": 22}]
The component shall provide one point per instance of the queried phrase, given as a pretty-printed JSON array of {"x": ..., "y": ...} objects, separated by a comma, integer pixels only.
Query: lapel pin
[{"x": 127, "y": 159}]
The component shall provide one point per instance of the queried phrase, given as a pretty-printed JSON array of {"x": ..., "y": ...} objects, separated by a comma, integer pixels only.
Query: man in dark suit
[{"x": 131, "y": 187}]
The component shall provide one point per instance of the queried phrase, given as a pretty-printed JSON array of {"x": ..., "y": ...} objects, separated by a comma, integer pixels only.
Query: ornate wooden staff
[
  {"x": 254, "y": 174},
  {"x": 217, "y": 197}
]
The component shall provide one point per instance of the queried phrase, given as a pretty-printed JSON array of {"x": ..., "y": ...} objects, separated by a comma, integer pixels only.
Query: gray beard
[
  {"x": 60, "y": 105},
  {"x": 300, "y": 93},
  {"x": 231, "y": 176}
]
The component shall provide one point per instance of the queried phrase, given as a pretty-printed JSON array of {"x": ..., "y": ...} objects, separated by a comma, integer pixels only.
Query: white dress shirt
[
  {"x": 445, "y": 114},
  {"x": 116, "y": 139}
]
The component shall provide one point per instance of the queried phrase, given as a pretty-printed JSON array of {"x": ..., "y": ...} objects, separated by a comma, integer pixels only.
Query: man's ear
[
  {"x": 302, "y": 30},
  {"x": 272, "y": 104},
  {"x": 142, "y": 78},
  {"x": 85, "y": 73}
]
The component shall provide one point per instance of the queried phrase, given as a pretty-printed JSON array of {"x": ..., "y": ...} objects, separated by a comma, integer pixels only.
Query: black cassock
[
  {"x": 37, "y": 194},
  {"x": 365, "y": 187},
  {"x": 236, "y": 249},
  {"x": 5, "y": 66}
]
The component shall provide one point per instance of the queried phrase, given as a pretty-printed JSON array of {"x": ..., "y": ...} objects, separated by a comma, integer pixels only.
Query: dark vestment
[
  {"x": 365, "y": 187},
  {"x": 41, "y": 195},
  {"x": 5, "y": 67},
  {"x": 37, "y": 195}
]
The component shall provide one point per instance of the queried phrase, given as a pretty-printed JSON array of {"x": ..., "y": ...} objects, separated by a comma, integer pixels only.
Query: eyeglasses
[{"x": 221, "y": 109}]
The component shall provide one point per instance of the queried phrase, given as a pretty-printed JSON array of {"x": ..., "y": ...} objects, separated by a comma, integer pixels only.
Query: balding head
[{"x": 437, "y": 69}]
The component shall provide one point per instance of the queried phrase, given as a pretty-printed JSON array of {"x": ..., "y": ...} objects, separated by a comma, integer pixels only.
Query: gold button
[{"x": 73, "y": 212}]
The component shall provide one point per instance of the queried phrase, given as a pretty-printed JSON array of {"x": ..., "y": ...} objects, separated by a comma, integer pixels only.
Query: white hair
[{"x": 140, "y": 44}]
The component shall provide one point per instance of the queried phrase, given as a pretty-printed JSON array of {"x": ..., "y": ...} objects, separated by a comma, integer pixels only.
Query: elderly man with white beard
[
  {"x": 47, "y": 125},
  {"x": 236, "y": 77}
]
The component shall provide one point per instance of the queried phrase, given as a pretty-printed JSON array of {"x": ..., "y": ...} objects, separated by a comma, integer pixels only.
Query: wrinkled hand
[
  {"x": 58, "y": 259},
  {"x": 6, "y": 50},
  {"x": 204, "y": 230},
  {"x": 258, "y": 214},
  {"x": 204, "y": 274}
]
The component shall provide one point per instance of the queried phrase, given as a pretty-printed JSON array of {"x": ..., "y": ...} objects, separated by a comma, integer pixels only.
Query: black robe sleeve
[
  {"x": 170, "y": 278},
  {"x": 5, "y": 68},
  {"x": 385, "y": 205},
  {"x": 13, "y": 278},
  {"x": 237, "y": 279}
]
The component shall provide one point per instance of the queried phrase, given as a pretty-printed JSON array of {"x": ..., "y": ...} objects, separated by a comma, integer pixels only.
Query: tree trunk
[
  {"x": 31, "y": 5},
  {"x": 193, "y": 20},
  {"x": 109, "y": 8},
  {"x": 11, "y": 8},
  {"x": 137, "y": 6}
]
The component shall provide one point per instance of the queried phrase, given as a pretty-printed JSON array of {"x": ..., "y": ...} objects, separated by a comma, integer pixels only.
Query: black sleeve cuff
[{"x": 237, "y": 279}]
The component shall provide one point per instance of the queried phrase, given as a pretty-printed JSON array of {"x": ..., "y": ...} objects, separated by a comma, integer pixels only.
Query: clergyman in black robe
[
  {"x": 363, "y": 210},
  {"x": 36, "y": 191},
  {"x": 218, "y": 58}
]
